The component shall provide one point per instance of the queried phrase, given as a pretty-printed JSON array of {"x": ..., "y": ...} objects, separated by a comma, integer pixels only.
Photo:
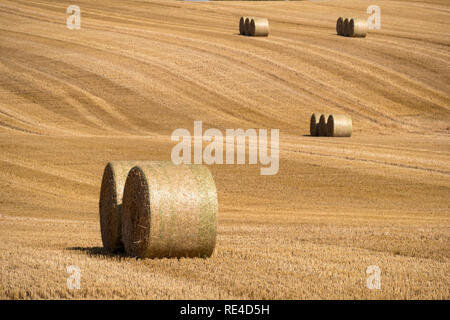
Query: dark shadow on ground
[{"x": 99, "y": 251}]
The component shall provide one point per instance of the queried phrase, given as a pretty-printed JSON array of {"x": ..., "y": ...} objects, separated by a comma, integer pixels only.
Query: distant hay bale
[
  {"x": 357, "y": 27},
  {"x": 259, "y": 27},
  {"x": 339, "y": 24},
  {"x": 110, "y": 204},
  {"x": 314, "y": 124},
  {"x": 169, "y": 211},
  {"x": 345, "y": 27},
  {"x": 339, "y": 125},
  {"x": 242, "y": 25},
  {"x": 323, "y": 125},
  {"x": 247, "y": 25}
]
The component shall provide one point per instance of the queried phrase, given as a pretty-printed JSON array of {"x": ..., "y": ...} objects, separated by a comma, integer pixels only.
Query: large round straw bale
[
  {"x": 323, "y": 125},
  {"x": 345, "y": 31},
  {"x": 339, "y": 24},
  {"x": 242, "y": 25},
  {"x": 169, "y": 211},
  {"x": 110, "y": 204},
  {"x": 339, "y": 125},
  {"x": 357, "y": 27},
  {"x": 259, "y": 27},
  {"x": 248, "y": 20},
  {"x": 314, "y": 124}
]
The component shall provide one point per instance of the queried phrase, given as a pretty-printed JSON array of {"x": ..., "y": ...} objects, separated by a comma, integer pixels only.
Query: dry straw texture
[
  {"x": 357, "y": 27},
  {"x": 110, "y": 204},
  {"x": 314, "y": 124},
  {"x": 242, "y": 25},
  {"x": 345, "y": 27},
  {"x": 169, "y": 211},
  {"x": 322, "y": 127},
  {"x": 259, "y": 27},
  {"x": 339, "y": 24},
  {"x": 248, "y": 20},
  {"x": 339, "y": 125}
]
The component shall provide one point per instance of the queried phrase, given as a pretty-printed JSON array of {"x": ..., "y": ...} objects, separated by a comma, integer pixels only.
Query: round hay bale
[
  {"x": 242, "y": 25},
  {"x": 314, "y": 125},
  {"x": 259, "y": 27},
  {"x": 345, "y": 31},
  {"x": 247, "y": 25},
  {"x": 339, "y": 24},
  {"x": 357, "y": 28},
  {"x": 339, "y": 125},
  {"x": 169, "y": 211},
  {"x": 323, "y": 125},
  {"x": 110, "y": 204}
]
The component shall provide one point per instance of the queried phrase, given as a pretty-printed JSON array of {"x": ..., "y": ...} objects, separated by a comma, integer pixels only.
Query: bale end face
[
  {"x": 345, "y": 27},
  {"x": 110, "y": 203},
  {"x": 247, "y": 26},
  {"x": 339, "y": 25},
  {"x": 323, "y": 125},
  {"x": 135, "y": 220},
  {"x": 242, "y": 26},
  {"x": 169, "y": 211},
  {"x": 314, "y": 124},
  {"x": 109, "y": 209}
]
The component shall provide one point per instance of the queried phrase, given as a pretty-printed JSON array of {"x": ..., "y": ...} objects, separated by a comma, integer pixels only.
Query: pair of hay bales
[
  {"x": 155, "y": 209},
  {"x": 351, "y": 27},
  {"x": 253, "y": 26},
  {"x": 333, "y": 125}
]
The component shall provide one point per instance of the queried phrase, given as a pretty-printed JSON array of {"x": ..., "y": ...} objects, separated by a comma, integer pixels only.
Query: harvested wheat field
[{"x": 116, "y": 89}]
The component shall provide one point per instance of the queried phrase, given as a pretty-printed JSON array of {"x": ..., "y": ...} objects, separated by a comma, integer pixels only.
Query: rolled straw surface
[
  {"x": 339, "y": 125},
  {"x": 339, "y": 24},
  {"x": 259, "y": 27},
  {"x": 323, "y": 125},
  {"x": 314, "y": 124},
  {"x": 110, "y": 204},
  {"x": 357, "y": 27},
  {"x": 169, "y": 211}
]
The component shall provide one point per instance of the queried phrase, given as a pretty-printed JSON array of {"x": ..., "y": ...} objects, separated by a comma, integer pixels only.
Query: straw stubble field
[{"x": 72, "y": 100}]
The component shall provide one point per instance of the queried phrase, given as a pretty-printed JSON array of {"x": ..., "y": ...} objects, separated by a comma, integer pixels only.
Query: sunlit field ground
[{"x": 71, "y": 100}]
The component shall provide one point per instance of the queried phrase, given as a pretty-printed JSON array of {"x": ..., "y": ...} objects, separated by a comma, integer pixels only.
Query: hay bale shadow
[
  {"x": 119, "y": 254},
  {"x": 99, "y": 251}
]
